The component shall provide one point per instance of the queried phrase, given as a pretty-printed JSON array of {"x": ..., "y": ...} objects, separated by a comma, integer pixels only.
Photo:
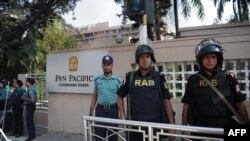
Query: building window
[
  {"x": 240, "y": 65},
  {"x": 229, "y": 66},
  {"x": 242, "y": 86},
  {"x": 241, "y": 76},
  {"x": 169, "y": 77},
  {"x": 196, "y": 68},
  {"x": 88, "y": 35},
  {"x": 160, "y": 68},
  {"x": 248, "y": 65},
  {"x": 177, "y": 74},
  {"x": 188, "y": 67}
]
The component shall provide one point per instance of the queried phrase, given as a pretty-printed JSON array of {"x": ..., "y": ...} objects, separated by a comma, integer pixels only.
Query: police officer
[
  {"x": 17, "y": 107},
  {"x": 199, "y": 98},
  {"x": 3, "y": 99},
  {"x": 30, "y": 99},
  {"x": 104, "y": 97},
  {"x": 145, "y": 89},
  {"x": 3, "y": 93}
]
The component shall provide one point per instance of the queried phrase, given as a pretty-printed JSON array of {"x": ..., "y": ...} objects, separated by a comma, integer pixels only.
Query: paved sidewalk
[
  {"x": 59, "y": 136},
  {"x": 42, "y": 134},
  {"x": 52, "y": 136}
]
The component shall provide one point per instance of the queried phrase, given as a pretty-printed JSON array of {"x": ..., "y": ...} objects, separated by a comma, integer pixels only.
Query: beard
[
  {"x": 107, "y": 72},
  {"x": 145, "y": 68}
]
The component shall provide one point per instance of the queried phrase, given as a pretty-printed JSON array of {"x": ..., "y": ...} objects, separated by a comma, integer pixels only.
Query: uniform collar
[
  {"x": 19, "y": 88},
  {"x": 112, "y": 76},
  {"x": 148, "y": 74},
  {"x": 205, "y": 74},
  {"x": 32, "y": 87}
]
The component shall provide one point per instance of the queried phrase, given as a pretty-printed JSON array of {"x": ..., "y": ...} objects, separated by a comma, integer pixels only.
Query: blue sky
[{"x": 94, "y": 11}]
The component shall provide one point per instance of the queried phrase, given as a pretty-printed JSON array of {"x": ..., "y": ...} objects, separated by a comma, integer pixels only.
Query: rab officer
[
  {"x": 104, "y": 97},
  {"x": 203, "y": 106},
  {"x": 146, "y": 92}
]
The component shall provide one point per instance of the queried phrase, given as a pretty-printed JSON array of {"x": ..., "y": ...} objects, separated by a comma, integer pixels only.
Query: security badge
[
  {"x": 204, "y": 84},
  {"x": 107, "y": 58},
  {"x": 144, "y": 83}
]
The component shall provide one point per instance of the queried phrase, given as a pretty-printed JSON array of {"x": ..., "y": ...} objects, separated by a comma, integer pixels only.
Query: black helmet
[
  {"x": 209, "y": 46},
  {"x": 144, "y": 49}
]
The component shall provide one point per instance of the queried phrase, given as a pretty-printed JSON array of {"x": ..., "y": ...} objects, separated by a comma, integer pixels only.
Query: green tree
[
  {"x": 18, "y": 56},
  {"x": 54, "y": 39},
  {"x": 240, "y": 9},
  {"x": 21, "y": 25},
  {"x": 185, "y": 6}
]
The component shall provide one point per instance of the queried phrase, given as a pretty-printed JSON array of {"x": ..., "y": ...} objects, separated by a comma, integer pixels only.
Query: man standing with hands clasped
[
  {"x": 146, "y": 91},
  {"x": 104, "y": 97}
]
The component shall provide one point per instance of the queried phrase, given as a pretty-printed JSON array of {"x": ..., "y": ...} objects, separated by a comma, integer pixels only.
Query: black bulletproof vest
[
  {"x": 145, "y": 97},
  {"x": 205, "y": 102}
]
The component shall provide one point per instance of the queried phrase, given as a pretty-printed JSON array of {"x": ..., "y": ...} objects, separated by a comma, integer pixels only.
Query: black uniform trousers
[
  {"x": 110, "y": 111},
  {"x": 30, "y": 110},
  {"x": 18, "y": 116}
]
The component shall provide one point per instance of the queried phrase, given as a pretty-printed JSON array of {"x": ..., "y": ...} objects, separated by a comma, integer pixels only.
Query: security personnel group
[
  {"x": 146, "y": 88},
  {"x": 210, "y": 89},
  {"x": 13, "y": 97}
]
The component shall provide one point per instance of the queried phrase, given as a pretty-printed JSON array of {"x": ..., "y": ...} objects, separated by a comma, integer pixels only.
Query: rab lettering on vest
[
  {"x": 144, "y": 83},
  {"x": 204, "y": 84}
]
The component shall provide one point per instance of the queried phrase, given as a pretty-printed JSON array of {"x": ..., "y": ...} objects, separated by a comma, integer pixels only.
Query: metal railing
[
  {"x": 3, "y": 136},
  {"x": 150, "y": 131}
]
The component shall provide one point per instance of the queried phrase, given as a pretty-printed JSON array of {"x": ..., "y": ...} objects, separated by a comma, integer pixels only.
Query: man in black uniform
[
  {"x": 202, "y": 105},
  {"x": 17, "y": 106},
  {"x": 145, "y": 89}
]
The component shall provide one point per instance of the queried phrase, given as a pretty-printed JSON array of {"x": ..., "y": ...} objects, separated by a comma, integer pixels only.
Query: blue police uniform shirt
[
  {"x": 16, "y": 98},
  {"x": 106, "y": 89},
  {"x": 31, "y": 92},
  {"x": 3, "y": 94}
]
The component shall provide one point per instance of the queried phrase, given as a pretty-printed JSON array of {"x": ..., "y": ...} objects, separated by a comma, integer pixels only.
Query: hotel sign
[{"x": 73, "y": 72}]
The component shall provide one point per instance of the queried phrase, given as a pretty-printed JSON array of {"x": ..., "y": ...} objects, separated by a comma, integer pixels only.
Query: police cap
[
  {"x": 107, "y": 59},
  {"x": 30, "y": 80}
]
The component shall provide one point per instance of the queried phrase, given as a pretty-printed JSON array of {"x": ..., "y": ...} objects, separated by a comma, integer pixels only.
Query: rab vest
[
  {"x": 145, "y": 98},
  {"x": 205, "y": 102}
]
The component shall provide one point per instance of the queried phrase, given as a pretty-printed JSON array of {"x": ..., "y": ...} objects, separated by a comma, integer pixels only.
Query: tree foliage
[
  {"x": 164, "y": 8},
  {"x": 240, "y": 9},
  {"x": 22, "y": 23},
  {"x": 54, "y": 39}
]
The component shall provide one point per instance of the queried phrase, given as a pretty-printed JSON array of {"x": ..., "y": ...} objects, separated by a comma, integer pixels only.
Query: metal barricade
[
  {"x": 3, "y": 136},
  {"x": 150, "y": 131}
]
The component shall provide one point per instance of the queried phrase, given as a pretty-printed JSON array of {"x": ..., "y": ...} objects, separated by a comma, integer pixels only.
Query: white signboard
[{"x": 73, "y": 72}]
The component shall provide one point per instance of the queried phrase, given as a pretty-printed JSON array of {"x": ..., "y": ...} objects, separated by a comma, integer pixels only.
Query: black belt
[{"x": 107, "y": 107}]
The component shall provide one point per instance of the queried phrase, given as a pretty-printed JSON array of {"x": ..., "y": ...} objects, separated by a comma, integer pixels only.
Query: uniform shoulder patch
[
  {"x": 162, "y": 73},
  {"x": 231, "y": 75}
]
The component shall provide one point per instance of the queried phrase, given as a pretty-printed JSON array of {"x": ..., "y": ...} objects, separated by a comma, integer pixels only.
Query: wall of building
[{"x": 66, "y": 109}]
